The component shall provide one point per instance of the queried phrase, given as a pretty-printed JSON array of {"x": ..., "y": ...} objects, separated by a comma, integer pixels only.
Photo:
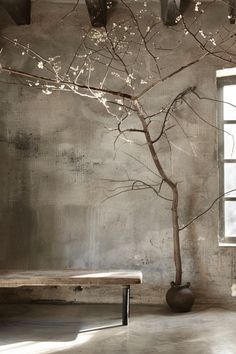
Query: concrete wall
[{"x": 55, "y": 155}]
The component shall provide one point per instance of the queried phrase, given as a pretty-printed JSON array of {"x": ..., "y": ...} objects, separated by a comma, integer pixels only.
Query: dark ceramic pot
[{"x": 180, "y": 298}]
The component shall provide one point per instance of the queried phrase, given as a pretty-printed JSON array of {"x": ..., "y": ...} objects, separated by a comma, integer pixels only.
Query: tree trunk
[
  {"x": 174, "y": 190},
  {"x": 175, "y": 225}
]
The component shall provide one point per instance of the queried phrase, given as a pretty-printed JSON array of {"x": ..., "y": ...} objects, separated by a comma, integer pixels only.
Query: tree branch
[{"x": 206, "y": 210}]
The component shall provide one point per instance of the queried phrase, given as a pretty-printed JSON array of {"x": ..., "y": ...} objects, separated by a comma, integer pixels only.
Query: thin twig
[{"x": 206, "y": 210}]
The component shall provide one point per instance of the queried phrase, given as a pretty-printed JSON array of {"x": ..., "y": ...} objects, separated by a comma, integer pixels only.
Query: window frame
[{"x": 222, "y": 81}]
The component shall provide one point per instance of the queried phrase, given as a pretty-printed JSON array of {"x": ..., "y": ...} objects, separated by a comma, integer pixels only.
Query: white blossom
[
  {"x": 198, "y": 3},
  {"x": 202, "y": 33},
  {"x": 40, "y": 65},
  {"x": 47, "y": 91},
  {"x": 178, "y": 18},
  {"x": 212, "y": 40}
]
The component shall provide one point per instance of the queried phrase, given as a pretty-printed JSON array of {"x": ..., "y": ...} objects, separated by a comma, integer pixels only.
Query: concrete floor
[{"x": 48, "y": 328}]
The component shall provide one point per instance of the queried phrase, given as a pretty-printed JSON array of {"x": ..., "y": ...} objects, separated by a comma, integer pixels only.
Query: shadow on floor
[{"x": 44, "y": 329}]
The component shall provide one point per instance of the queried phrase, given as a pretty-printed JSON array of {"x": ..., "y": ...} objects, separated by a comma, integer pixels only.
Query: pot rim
[{"x": 180, "y": 286}]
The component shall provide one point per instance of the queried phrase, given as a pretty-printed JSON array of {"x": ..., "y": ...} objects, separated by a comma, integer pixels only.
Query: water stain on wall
[
  {"x": 77, "y": 161},
  {"x": 26, "y": 142}
]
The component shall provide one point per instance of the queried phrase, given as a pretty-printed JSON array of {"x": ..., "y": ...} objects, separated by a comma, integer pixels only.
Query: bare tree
[{"x": 119, "y": 66}]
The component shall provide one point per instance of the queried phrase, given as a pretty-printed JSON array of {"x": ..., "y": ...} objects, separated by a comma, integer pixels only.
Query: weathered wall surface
[{"x": 56, "y": 155}]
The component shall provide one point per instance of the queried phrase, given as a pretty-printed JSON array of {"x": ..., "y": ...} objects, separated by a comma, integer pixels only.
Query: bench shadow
[{"x": 24, "y": 323}]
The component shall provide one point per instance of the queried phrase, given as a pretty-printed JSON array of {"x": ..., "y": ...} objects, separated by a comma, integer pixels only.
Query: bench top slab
[{"x": 16, "y": 278}]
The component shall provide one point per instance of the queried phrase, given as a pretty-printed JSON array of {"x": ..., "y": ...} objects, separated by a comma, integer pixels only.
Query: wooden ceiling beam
[
  {"x": 232, "y": 11},
  {"x": 19, "y": 10},
  {"x": 170, "y": 10},
  {"x": 97, "y": 10}
]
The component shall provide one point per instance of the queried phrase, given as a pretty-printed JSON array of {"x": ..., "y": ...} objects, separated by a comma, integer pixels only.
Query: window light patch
[
  {"x": 233, "y": 290},
  {"x": 226, "y": 72}
]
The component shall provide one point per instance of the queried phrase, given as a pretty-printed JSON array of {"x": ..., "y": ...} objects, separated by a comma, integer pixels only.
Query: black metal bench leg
[{"x": 126, "y": 305}]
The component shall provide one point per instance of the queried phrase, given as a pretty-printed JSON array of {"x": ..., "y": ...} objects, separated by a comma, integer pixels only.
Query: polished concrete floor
[{"x": 34, "y": 329}]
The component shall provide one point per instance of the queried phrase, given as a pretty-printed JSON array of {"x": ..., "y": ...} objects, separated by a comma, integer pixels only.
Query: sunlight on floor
[
  {"x": 224, "y": 348},
  {"x": 44, "y": 347}
]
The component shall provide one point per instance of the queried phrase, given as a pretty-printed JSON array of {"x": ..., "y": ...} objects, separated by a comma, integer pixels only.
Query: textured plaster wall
[{"x": 55, "y": 155}]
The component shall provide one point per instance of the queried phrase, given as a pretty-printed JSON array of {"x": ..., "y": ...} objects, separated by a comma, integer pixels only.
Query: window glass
[
  {"x": 229, "y": 96},
  {"x": 227, "y": 157},
  {"x": 230, "y": 219},
  {"x": 230, "y": 141},
  {"x": 230, "y": 179}
]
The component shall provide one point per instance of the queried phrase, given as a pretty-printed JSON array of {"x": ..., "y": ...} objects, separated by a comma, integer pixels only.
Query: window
[{"x": 227, "y": 155}]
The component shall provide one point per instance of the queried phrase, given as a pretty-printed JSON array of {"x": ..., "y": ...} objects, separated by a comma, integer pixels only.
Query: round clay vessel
[{"x": 180, "y": 298}]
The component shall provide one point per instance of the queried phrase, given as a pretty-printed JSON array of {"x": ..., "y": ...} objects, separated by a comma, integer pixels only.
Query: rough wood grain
[{"x": 15, "y": 278}]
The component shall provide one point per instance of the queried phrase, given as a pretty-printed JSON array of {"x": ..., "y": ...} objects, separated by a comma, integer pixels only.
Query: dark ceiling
[{"x": 19, "y": 11}]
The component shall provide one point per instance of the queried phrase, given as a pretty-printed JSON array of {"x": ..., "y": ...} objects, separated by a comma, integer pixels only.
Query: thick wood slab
[{"x": 15, "y": 278}]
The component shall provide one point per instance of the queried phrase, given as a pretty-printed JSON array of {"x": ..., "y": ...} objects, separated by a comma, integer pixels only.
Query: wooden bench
[{"x": 125, "y": 278}]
